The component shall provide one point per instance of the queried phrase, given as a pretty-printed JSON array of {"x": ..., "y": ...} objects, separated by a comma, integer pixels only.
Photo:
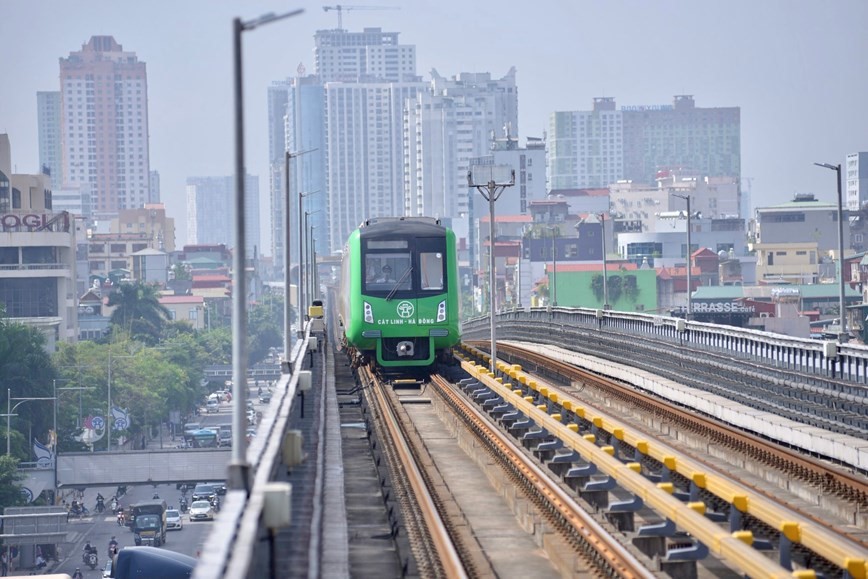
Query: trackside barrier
[
  {"x": 848, "y": 362},
  {"x": 236, "y": 546}
]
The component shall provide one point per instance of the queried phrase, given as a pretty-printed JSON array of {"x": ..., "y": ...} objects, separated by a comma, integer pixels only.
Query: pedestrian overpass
[{"x": 157, "y": 466}]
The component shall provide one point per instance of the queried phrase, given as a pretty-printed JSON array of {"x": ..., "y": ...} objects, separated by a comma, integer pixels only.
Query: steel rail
[
  {"x": 723, "y": 544},
  {"x": 616, "y": 556},
  {"x": 449, "y": 558},
  {"x": 808, "y": 531},
  {"x": 834, "y": 479}
]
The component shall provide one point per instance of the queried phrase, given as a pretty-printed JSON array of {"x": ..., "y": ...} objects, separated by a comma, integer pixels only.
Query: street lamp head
[
  {"x": 268, "y": 18},
  {"x": 829, "y": 166}
]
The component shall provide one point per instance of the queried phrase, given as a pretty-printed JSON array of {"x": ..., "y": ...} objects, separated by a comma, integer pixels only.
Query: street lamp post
[
  {"x": 307, "y": 260},
  {"x": 10, "y": 408},
  {"x": 843, "y": 336},
  {"x": 482, "y": 177},
  {"x": 689, "y": 282},
  {"x": 301, "y": 249},
  {"x": 593, "y": 219},
  {"x": 605, "y": 272},
  {"x": 287, "y": 262},
  {"x": 109, "y": 424},
  {"x": 239, "y": 468},
  {"x": 554, "y": 232},
  {"x": 54, "y": 447}
]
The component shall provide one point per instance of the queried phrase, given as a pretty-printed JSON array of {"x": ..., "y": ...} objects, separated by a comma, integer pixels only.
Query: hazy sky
[{"x": 797, "y": 69}]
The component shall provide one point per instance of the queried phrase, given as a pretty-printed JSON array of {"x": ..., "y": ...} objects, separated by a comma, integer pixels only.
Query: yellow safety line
[
  {"x": 718, "y": 541},
  {"x": 839, "y": 550}
]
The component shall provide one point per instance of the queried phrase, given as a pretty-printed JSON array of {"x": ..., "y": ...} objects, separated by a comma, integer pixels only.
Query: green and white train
[{"x": 399, "y": 302}]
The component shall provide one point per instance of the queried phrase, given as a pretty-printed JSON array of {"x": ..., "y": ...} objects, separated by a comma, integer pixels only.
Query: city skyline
[{"x": 774, "y": 61}]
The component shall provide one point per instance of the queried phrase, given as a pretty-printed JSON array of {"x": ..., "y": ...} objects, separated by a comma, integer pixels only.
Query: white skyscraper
[
  {"x": 452, "y": 121},
  {"x": 366, "y": 75}
]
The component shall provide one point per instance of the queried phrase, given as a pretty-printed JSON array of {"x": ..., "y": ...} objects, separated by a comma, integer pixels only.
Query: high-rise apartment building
[
  {"x": 370, "y": 55},
  {"x": 855, "y": 180},
  {"x": 446, "y": 125},
  {"x": 211, "y": 212},
  {"x": 295, "y": 123},
  {"x": 599, "y": 147},
  {"x": 104, "y": 124},
  {"x": 50, "y": 151},
  {"x": 343, "y": 127},
  {"x": 365, "y": 152}
]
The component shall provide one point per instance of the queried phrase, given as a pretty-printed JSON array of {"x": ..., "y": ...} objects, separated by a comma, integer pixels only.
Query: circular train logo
[{"x": 405, "y": 309}]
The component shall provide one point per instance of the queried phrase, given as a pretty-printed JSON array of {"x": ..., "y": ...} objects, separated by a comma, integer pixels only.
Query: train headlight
[
  {"x": 441, "y": 311},
  {"x": 369, "y": 313}
]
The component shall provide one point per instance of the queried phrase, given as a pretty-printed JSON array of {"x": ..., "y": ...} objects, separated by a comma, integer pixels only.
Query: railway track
[
  {"x": 443, "y": 537},
  {"x": 799, "y": 537}
]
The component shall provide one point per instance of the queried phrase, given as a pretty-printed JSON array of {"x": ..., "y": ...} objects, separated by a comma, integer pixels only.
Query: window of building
[
  {"x": 35, "y": 255},
  {"x": 118, "y": 248},
  {"x": 8, "y": 255},
  {"x": 193, "y": 314}
]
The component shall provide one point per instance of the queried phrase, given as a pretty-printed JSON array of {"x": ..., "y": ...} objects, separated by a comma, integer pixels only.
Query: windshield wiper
[{"x": 398, "y": 284}]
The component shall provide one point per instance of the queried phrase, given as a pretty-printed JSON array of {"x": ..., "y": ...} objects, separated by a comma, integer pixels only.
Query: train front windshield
[{"x": 390, "y": 265}]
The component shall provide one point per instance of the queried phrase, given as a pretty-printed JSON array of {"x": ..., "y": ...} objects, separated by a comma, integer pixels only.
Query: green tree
[
  {"x": 217, "y": 345},
  {"x": 25, "y": 372},
  {"x": 10, "y": 476},
  {"x": 138, "y": 311},
  {"x": 264, "y": 327}
]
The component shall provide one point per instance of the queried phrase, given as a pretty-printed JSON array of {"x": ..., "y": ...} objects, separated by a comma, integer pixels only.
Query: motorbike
[
  {"x": 100, "y": 504},
  {"x": 90, "y": 559},
  {"x": 121, "y": 521},
  {"x": 182, "y": 505},
  {"x": 114, "y": 505}
]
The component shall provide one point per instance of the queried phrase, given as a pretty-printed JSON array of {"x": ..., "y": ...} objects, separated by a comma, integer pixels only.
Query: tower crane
[{"x": 341, "y": 7}]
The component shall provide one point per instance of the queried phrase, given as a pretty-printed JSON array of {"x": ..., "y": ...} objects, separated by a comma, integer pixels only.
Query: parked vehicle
[{"x": 201, "y": 511}]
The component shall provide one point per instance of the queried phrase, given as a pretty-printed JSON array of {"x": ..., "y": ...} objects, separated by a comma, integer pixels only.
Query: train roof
[{"x": 401, "y": 226}]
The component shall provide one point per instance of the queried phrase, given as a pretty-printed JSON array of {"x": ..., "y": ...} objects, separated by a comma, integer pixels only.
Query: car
[
  {"x": 174, "y": 520},
  {"x": 204, "y": 492},
  {"x": 265, "y": 397},
  {"x": 220, "y": 487},
  {"x": 201, "y": 511},
  {"x": 212, "y": 405}
]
